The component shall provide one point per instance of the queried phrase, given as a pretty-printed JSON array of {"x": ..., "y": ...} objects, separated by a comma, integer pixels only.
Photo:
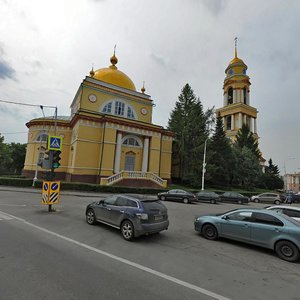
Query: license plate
[{"x": 158, "y": 218}]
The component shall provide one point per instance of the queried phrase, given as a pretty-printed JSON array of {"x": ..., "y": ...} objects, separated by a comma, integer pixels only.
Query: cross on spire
[{"x": 235, "y": 46}]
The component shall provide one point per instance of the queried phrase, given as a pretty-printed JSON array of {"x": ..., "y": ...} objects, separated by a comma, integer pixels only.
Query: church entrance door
[{"x": 129, "y": 162}]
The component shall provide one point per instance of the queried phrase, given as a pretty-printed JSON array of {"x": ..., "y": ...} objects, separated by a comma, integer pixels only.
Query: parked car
[
  {"x": 133, "y": 216},
  {"x": 207, "y": 196},
  {"x": 291, "y": 211},
  {"x": 177, "y": 195},
  {"x": 267, "y": 198},
  {"x": 295, "y": 198},
  {"x": 260, "y": 227},
  {"x": 234, "y": 198}
]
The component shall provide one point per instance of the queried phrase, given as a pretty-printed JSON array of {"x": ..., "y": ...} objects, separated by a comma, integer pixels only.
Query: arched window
[
  {"x": 245, "y": 95},
  {"x": 41, "y": 137},
  {"x": 132, "y": 141},
  {"x": 119, "y": 108},
  {"x": 230, "y": 95}
]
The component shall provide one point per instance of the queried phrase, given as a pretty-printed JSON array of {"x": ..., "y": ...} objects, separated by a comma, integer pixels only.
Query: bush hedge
[{"x": 77, "y": 186}]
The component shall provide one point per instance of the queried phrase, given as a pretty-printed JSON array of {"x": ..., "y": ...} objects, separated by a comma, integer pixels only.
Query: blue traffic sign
[
  {"x": 54, "y": 186},
  {"x": 54, "y": 142},
  {"x": 46, "y": 186}
]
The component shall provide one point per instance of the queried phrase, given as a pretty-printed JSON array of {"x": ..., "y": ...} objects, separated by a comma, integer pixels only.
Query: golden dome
[
  {"x": 113, "y": 76},
  {"x": 236, "y": 60}
]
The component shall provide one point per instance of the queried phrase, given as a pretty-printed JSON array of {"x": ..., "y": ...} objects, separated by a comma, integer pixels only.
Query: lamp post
[{"x": 204, "y": 165}]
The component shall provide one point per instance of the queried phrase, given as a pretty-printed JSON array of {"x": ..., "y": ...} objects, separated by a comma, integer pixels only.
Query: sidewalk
[
  {"x": 39, "y": 191},
  {"x": 66, "y": 192}
]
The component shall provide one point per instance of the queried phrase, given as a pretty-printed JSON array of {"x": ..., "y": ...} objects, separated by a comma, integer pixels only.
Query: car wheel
[
  {"x": 90, "y": 216},
  {"x": 287, "y": 250},
  {"x": 162, "y": 198},
  {"x": 210, "y": 232},
  {"x": 256, "y": 200},
  {"x": 239, "y": 201},
  {"x": 277, "y": 202},
  {"x": 213, "y": 201},
  {"x": 127, "y": 230},
  {"x": 185, "y": 200}
]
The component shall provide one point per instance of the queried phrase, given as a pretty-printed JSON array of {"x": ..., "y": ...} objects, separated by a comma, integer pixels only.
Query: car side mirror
[
  {"x": 225, "y": 217},
  {"x": 101, "y": 202}
]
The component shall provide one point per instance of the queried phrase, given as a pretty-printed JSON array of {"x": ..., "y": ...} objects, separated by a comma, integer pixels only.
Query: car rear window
[{"x": 153, "y": 205}]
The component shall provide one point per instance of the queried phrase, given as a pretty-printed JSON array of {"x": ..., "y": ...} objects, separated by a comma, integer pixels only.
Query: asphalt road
[{"x": 58, "y": 256}]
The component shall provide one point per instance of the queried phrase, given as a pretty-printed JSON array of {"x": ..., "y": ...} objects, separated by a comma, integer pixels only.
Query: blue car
[{"x": 260, "y": 227}]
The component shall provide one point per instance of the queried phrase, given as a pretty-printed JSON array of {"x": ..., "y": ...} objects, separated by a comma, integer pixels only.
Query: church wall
[
  {"x": 108, "y": 156},
  {"x": 166, "y": 154},
  {"x": 154, "y": 155}
]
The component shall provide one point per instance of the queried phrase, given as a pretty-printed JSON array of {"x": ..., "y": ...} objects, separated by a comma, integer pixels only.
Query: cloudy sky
[{"x": 48, "y": 47}]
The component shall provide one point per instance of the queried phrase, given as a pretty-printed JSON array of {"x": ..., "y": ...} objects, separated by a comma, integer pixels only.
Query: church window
[
  {"x": 131, "y": 141},
  {"x": 230, "y": 72},
  {"x": 130, "y": 113},
  {"x": 107, "y": 108},
  {"x": 230, "y": 95},
  {"x": 244, "y": 71},
  {"x": 119, "y": 108},
  {"x": 245, "y": 95},
  {"x": 42, "y": 137},
  {"x": 228, "y": 123}
]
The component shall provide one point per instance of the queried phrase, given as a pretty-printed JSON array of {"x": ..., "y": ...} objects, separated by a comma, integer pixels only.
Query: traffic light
[
  {"x": 46, "y": 162},
  {"x": 56, "y": 159}
]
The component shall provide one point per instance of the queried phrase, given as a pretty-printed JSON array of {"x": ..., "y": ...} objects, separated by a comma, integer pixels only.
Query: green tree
[
  {"x": 247, "y": 170},
  {"x": 220, "y": 158},
  {"x": 189, "y": 123},
  {"x": 17, "y": 155},
  {"x": 4, "y": 156},
  {"x": 245, "y": 138},
  {"x": 271, "y": 178}
]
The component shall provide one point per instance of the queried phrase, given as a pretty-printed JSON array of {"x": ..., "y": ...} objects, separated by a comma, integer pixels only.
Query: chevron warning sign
[{"x": 50, "y": 192}]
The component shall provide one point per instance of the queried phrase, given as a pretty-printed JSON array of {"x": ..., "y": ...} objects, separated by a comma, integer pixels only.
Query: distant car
[
  {"x": 291, "y": 211},
  {"x": 267, "y": 198},
  {"x": 133, "y": 216},
  {"x": 259, "y": 227},
  {"x": 177, "y": 195},
  {"x": 207, "y": 196},
  {"x": 295, "y": 198},
  {"x": 234, "y": 197}
]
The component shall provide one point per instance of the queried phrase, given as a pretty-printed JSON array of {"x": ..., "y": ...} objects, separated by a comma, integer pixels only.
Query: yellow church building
[
  {"x": 109, "y": 137},
  {"x": 236, "y": 109}
]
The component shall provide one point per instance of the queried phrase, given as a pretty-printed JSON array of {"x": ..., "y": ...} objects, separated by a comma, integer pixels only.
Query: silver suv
[
  {"x": 267, "y": 198},
  {"x": 133, "y": 216}
]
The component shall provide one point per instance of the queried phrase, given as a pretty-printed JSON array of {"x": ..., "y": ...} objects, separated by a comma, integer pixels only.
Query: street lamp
[{"x": 204, "y": 165}]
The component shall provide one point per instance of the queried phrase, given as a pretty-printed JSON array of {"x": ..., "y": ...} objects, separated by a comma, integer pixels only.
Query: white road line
[
  {"x": 8, "y": 204},
  {"x": 125, "y": 261},
  {"x": 4, "y": 217}
]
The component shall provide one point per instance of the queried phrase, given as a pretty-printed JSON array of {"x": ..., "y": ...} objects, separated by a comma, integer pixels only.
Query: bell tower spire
[{"x": 236, "y": 109}]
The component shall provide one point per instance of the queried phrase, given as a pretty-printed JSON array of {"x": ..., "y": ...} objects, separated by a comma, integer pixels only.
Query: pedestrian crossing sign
[{"x": 54, "y": 142}]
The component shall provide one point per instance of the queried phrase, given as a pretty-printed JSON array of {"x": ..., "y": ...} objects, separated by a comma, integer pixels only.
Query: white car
[
  {"x": 267, "y": 198},
  {"x": 291, "y": 211}
]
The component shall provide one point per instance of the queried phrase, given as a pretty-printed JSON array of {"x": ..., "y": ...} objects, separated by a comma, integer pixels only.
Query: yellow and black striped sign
[{"x": 50, "y": 192}]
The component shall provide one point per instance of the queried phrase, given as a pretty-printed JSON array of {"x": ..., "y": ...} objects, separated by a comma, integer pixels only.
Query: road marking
[
  {"x": 123, "y": 260},
  {"x": 8, "y": 204},
  {"x": 4, "y": 217}
]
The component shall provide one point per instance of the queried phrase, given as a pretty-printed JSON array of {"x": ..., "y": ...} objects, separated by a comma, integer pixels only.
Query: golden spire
[
  {"x": 235, "y": 47},
  {"x": 114, "y": 59},
  {"x": 143, "y": 88},
  {"x": 92, "y": 73}
]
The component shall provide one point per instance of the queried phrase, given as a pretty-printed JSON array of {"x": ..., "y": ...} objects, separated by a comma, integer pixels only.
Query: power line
[
  {"x": 13, "y": 132},
  {"x": 27, "y": 104}
]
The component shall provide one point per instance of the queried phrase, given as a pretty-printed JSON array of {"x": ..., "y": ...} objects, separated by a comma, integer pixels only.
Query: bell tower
[{"x": 236, "y": 109}]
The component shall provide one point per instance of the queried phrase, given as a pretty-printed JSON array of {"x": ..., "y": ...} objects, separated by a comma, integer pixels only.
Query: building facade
[
  {"x": 292, "y": 182},
  {"x": 108, "y": 138}
]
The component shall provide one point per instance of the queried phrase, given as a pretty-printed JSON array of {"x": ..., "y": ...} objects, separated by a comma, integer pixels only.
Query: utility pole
[{"x": 204, "y": 165}]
